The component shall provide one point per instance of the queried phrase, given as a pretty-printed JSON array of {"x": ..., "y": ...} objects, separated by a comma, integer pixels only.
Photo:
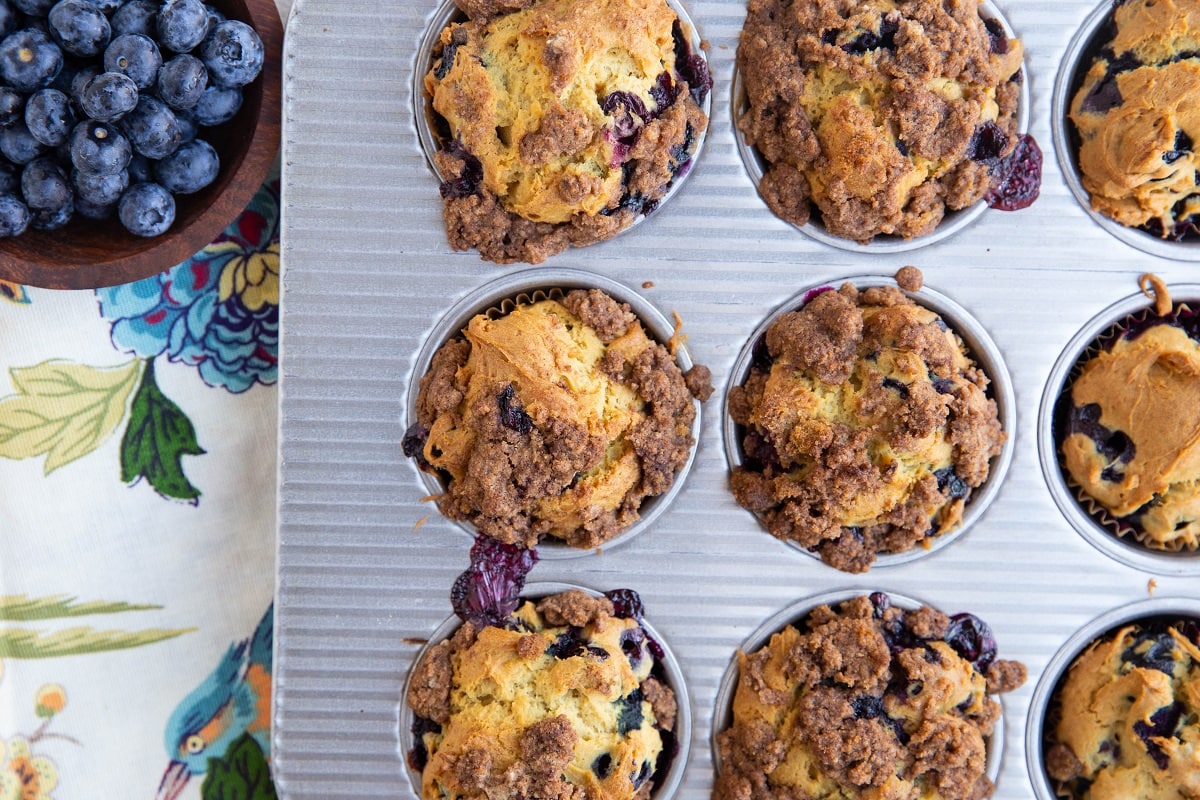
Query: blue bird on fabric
[{"x": 234, "y": 700}]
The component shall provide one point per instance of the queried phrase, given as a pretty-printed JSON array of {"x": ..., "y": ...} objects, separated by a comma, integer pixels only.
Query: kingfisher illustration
[{"x": 234, "y": 700}]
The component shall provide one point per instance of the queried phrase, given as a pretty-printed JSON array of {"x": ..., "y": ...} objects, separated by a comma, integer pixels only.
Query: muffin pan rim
[
  {"x": 537, "y": 590},
  {"x": 983, "y": 351},
  {"x": 1125, "y": 551}
]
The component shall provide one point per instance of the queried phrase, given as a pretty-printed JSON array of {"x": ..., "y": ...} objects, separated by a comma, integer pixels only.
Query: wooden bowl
[{"x": 87, "y": 254}]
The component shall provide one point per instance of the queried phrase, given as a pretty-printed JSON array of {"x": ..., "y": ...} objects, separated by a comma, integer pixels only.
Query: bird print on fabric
[{"x": 224, "y": 716}]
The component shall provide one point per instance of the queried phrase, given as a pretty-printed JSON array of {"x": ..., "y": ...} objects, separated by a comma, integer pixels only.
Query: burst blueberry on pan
[
  {"x": 866, "y": 425},
  {"x": 864, "y": 699},
  {"x": 877, "y": 118},
  {"x": 564, "y": 697},
  {"x": 1137, "y": 115},
  {"x": 1122, "y": 723},
  {"x": 1129, "y": 423},
  {"x": 556, "y": 419},
  {"x": 561, "y": 122}
]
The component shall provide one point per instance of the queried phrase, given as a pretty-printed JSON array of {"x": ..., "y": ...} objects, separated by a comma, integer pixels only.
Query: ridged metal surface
[{"x": 367, "y": 273}]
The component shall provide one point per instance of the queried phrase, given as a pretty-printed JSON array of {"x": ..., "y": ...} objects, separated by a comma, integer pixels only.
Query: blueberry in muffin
[
  {"x": 561, "y": 122},
  {"x": 557, "y": 419},
  {"x": 865, "y": 426},
  {"x": 878, "y": 117},
  {"x": 1137, "y": 116},
  {"x": 866, "y": 699},
  {"x": 563, "y": 698},
  {"x": 1122, "y": 723},
  {"x": 1129, "y": 426}
]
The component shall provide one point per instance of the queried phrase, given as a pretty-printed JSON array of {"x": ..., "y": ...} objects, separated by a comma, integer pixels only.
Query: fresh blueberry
[
  {"x": 99, "y": 148},
  {"x": 188, "y": 127},
  {"x": 79, "y": 81},
  {"x": 181, "y": 81},
  {"x": 10, "y": 177},
  {"x": 146, "y": 209},
  {"x": 79, "y": 27},
  {"x": 182, "y": 24},
  {"x": 152, "y": 128},
  {"x": 215, "y": 17},
  {"x": 36, "y": 8},
  {"x": 29, "y": 60},
  {"x": 190, "y": 168},
  {"x": 88, "y": 210},
  {"x": 135, "y": 55},
  {"x": 107, "y": 7},
  {"x": 141, "y": 169},
  {"x": 233, "y": 53},
  {"x": 46, "y": 189},
  {"x": 51, "y": 219},
  {"x": 14, "y": 216},
  {"x": 109, "y": 96},
  {"x": 135, "y": 16},
  {"x": 8, "y": 18},
  {"x": 18, "y": 145},
  {"x": 217, "y": 105},
  {"x": 103, "y": 190},
  {"x": 49, "y": 117},
  {"x": 12, "y": 106}
]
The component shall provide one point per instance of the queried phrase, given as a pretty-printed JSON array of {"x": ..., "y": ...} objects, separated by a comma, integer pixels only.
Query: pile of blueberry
[{"x": 102, "y": 103}]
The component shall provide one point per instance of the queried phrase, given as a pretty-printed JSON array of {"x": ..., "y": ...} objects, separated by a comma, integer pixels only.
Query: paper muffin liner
[
  {"x": 1091, "y": 37},
  {"x": 666, "y": 669},
  {"x": 980, "y": 348},
  {"x": 952, "y": 223},
  {"x": 1117, "y": 537},
  {"x": 798, "y": 612},
  {"x": 1042, "y": 712},
  {"x": 430, "y": 127},
  {"x": 498, "y": 298}
]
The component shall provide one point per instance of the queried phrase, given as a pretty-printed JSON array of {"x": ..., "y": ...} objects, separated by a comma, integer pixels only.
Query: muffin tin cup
[
  {"x": 666, "y": 785},
  {"x": 424, "y": 115},
  {"x": 980, "y": 347},
  {"x": 1097, "y": 529},
  {"x": 796, "y": 612},
  {"x": 535, "y": 282},
  {"x": 1083, "y": 47},
  {"x": 952, "y": 223},
  {"x": 1056, "y": 670}
]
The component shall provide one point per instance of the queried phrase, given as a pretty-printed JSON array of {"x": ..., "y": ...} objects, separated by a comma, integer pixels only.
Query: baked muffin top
[
  {"x": 555, "y": 419},
  {"x": 880, "y": 114},
  {"x": 1137, "y": 113},
  {"x": 563, "y": 121},
  {"x": 1122, "y": 724},
  {"x": 865, "y": 699},
  {"x": 1132, "y": 430},
  {"x": 559, "y": 700},
  {"x": 866, "y": 426}
]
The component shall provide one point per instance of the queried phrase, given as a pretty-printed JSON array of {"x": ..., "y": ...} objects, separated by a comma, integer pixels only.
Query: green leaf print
[
  {"x": 158, "y": 436},
  {"x": 241, "y": 775},
  {"x": 22, "y": 608},
  {"x": 63, "y": 410},
  {"x": 22, "y": 643}
]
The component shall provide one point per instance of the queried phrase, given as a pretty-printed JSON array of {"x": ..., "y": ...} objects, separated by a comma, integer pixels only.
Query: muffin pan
[{"x": 365, "y": 567}]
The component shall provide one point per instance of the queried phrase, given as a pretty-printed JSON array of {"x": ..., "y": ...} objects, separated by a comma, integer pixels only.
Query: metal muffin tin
[
  {"x": 665, "y": 785},
  {"x": 365, "y": 567},
  {"x": 983, "y": 352}
]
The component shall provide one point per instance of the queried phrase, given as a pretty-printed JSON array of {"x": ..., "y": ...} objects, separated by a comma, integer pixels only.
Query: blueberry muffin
[
  {"x": 1123, "y": 721},
  {"x": 866, "y": 700},
  {"x": 879, "y": 116},
  {"x": 563, "y": 699},
  {"x": 1130, "y": 427},
  {"x": 561, "y": 122},
  {"x": 865, "y": 426},
  {"x": 556, "y": 419},
  {"x": 1137, "y": 114}
]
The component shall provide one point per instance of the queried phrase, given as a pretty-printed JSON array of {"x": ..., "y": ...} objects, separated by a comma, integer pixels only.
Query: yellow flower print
[
  {"x": 251, "y": 274},
  {"x": 24, "y": 776},
  {"x": 49, "y": 700}
]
